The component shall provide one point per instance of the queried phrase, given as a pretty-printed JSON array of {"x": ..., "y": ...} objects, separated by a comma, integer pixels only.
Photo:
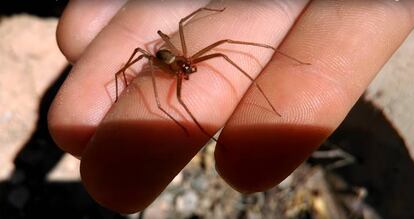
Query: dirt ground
[{"x": 37, "y": 179}]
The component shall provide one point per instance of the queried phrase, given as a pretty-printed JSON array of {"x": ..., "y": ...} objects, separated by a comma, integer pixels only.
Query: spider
[{"x": 181, "y": 66}]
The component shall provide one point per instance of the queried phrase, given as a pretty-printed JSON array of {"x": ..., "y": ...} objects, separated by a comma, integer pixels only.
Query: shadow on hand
[
  {"x": 129, "y": 163},
  {"x": 256, "y": 158}
]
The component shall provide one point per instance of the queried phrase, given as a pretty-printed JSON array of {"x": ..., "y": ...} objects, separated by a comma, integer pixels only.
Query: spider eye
[{"x": 187, "y": 68}]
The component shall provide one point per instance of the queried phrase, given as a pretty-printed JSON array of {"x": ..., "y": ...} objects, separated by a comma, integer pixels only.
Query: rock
[
  {"x": 66, "y": 170},
  {"x": 187, "y": 203},
  {"x": 392, "y": 91},
  {"x": 30, "y": 60}
]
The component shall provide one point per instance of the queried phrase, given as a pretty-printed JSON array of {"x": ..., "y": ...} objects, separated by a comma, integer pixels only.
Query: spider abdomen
[{"x": 165, "y": 56}]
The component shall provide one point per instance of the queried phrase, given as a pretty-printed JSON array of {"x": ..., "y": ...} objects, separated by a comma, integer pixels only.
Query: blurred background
[{"x": 364, "y": 170}]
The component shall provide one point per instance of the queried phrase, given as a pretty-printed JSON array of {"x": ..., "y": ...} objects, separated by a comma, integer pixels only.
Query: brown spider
[{"x": 181, "y": 66}]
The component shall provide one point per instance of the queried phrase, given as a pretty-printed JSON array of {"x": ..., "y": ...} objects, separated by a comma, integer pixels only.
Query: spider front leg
[
  {"x": 130, "y": 62},
  {"x": 217, "y": 55},
  {"x": 167, "y": 40},
  {"x": 181, "y": 26},
  {"x": 157, "y": 99},
  {"x": 229, "y": 41},
  {"x": 180, "y": 100}
]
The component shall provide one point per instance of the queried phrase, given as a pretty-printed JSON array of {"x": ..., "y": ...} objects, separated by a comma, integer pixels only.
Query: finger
[
  {"x": 346, "y": 42},
  {"x": 81, "y": 22},
  {"x": 137, "y": 150},
  {"x": 88, "y": 92}
]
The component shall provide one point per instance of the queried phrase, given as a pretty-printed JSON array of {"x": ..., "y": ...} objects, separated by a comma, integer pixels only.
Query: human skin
[{"x": 130, "y": 150}]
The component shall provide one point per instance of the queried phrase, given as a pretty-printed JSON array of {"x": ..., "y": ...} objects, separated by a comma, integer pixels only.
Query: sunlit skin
[{"x": 130, "y": 150}]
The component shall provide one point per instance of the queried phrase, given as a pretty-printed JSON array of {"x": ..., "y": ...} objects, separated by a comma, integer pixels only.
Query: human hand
[{"x": 131, "y": 151}]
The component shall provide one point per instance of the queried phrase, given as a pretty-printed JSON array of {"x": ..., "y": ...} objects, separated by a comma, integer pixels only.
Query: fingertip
[
  {"x": 71, "y": 139},
  {"x": 81, "y": 22},
  {"x": 265, "y": 155},
  {"x": 63, "y": 37},
  {"x": 129, "y": 163}
]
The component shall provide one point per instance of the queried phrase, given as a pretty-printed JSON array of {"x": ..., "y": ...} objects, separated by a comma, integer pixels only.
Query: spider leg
[
  {"x": 181, "y": 26},
  {"x": 217, "y": 55},
  {"x": 208, "y": 48},
  {"x": 157, "y": 99},
  {"x": 130, "y": 62},
  {"x": 167, "y": 40},
  {"x": 179, "y": 85}
]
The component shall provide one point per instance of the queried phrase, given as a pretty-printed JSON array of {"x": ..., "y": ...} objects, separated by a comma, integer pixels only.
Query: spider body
[{"x": 175, "y": 65}]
